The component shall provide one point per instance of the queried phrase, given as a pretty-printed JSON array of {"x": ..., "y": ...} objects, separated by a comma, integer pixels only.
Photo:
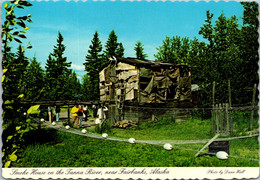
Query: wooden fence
[{"x": 222, "y": 119}]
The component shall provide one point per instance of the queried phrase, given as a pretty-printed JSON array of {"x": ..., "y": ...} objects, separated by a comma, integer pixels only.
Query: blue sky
[{"x": 148, "y": 22}]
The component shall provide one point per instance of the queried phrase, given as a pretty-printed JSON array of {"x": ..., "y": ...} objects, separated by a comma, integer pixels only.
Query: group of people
[
  {"x": 78, "y": 113},
  {"x": 52, "y": 112}
]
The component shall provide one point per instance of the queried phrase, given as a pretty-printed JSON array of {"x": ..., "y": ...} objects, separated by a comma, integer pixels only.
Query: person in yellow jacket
[{"x": 75, "y": 117}]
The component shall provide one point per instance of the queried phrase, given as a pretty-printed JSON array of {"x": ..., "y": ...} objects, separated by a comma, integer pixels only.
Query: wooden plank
[{"x": 215, "y": 137}]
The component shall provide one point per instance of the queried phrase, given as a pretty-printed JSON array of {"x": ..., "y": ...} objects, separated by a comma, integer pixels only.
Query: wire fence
[{"x": 242, "y": 140}]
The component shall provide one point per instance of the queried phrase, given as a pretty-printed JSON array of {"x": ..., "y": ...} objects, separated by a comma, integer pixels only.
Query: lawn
[{"x": 51, "y": 148}]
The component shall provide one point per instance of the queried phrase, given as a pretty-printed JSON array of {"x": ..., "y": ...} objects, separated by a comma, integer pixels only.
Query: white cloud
[{"x": 77, "y": 67}]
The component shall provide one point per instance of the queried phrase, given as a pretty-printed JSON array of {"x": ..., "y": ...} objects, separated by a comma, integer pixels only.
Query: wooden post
[
  {"x": 215, "y": 137},
  {"x": 102, "y": 116},
  {"x": 229, "y": 93},
  {"x": 227, "y": 120},
  {"x": 213, "y": 112},
  {"x": 213, "y": 119},
  {"x": 217, "y": 118},
  {"x": 220, "y": 118},
  {"x": 68, "y": 110},
  {"x": 252, "y": 111}
]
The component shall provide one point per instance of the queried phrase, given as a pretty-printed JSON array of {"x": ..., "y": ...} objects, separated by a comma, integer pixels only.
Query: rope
[
  {"x": 152, "y": 142},
  {"x": 242, "y": 108}
]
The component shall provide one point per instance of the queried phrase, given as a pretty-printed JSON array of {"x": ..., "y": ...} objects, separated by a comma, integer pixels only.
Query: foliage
[
  {"x": 14, "y": 64},
  {"x": 139, "y": 50},
  {"x": 174, "y": 50},
  {"x": 113, "y": 48},
  {"x": 249, "y": 45},
  {"x": 93, "y": 63},
  {"x": 85, "y": 88},
  {"x": 34, "y": 81},
  {"x": 120, "y": 50},
  {"x": 105, "y": 128},
  {"x": 73, "y": 87},
  {"x": 57, "y": 72}
]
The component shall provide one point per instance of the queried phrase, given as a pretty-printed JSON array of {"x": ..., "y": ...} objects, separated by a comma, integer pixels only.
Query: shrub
[{"x": 105, "y": 128}]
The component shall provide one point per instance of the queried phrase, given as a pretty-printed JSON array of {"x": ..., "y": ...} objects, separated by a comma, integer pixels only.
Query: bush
[{"x": 105, "y": 128}]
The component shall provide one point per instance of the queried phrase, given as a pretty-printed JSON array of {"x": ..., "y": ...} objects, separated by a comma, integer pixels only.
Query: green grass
[
  {"x": 167, "y": 130},
  {"x": 52, "y": 148}
]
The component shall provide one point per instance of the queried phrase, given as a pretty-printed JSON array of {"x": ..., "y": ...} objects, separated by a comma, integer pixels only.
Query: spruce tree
[
  {"x": 85, "y": 88},
  {"x": 139, "y": 50},
  {"x": 113, "y": 48},
  {"x": 120, "y": 50},
  {"x": 93, "y": 63},
  {"x": 57, "y": 71},
  {"x": 34, "y": 81}
]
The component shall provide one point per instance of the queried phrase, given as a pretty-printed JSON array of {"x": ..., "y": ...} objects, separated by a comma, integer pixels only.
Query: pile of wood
[{"x": 125, "y": 124}]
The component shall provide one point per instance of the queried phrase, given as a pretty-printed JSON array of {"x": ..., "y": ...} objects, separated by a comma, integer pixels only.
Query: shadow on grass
[{"x": 41, "y": 136}]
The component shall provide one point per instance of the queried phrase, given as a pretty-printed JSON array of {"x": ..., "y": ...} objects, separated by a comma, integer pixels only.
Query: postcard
[{"x": 130, "y": 89}]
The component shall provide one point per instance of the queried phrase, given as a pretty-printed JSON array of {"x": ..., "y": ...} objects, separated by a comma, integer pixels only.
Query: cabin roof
[{"x": 145, "y": 63}]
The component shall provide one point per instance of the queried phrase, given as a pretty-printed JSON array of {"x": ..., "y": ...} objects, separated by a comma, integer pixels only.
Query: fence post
[
  {"x": 221, "y": 118},
  {"x": 227, "y": 120},
  {"x": 68, "y": 110},
  {"x": 229, "y": 113},
  {"x": 213, "y": 119},
  {"x": 252, "y": 111},
  {"x": 229, "y": 93},
  {"x": 217, "y": 118},
  {"x": 213, "y": 112}
]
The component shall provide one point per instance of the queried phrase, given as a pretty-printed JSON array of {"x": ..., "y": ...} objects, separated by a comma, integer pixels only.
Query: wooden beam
[{"x": 210, "y": 141}]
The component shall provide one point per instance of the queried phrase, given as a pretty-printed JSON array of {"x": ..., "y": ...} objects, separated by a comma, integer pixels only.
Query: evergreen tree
[
  {"x": 113, "y": 48},
  {"x": 111, "y": 45},
  {"x": 34, "y": 81},
  {"x": 94, "y": 62},
  {"x": 139, "y": 50},
  {"x": 73, "y": 87},
  {"x": 120, "y": 50},
  {"x": 85, "y": 88},
  {"x": 57, "y": 72}
]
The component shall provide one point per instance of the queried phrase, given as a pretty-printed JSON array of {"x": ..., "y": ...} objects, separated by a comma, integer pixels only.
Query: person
[
  {"x": 50, "y": 113},
  {"x": 85, "y": 111},
  {"x": 57, "y": 113},
  {"x": 75, "y": 118},
  {"x": 101, "y": 114},
  {"x": 94, "y": 107},
  {"x": 80, "y": 115}
]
